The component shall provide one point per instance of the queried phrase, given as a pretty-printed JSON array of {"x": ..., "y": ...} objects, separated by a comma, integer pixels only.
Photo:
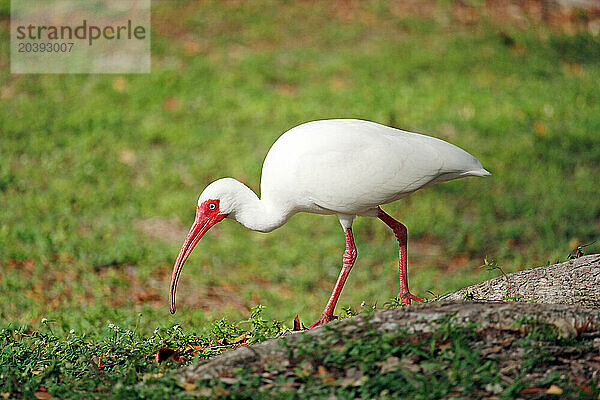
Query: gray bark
[{"x": 572, "y": 282}]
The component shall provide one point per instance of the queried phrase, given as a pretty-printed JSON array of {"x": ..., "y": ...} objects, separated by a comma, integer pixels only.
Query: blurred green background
[{"x": 99, "y": 174}]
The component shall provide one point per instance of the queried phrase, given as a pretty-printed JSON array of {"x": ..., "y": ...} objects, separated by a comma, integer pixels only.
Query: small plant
[
  {"x": 392, "y": 303},
  {"x": 260, "y": 328},
  {"x": 491, "y": 265},
  {"x": 433, "y": 298},
  {"x": 516, "y": 297},
  {"x": 469, "y": 296},
  {"x": 347, "y": 312},
  {"x": 223, "y": 330},
  {"x": 367, "y": 307},
  {"x": 578, "y": 251}
]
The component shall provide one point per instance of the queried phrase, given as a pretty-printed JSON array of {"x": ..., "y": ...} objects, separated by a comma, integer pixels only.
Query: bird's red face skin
[{"x": 207, "y": 214}]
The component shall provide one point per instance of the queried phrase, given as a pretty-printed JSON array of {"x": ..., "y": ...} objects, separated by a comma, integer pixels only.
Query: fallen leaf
[
  {"x": 412, "y": 340},
  {"x": 128, "y": 157},
  {"x": 148, "y": 294},
  {"x": 149, "y": 375},
  {"x": 490, "y": 350},
  {"x": 191, "y": 48},
  {"x": 532, "y": 390},
  {"x": 192, "y": 349},
  {"x": 389, "y": 364},
  {"x": 36, "y": 372},
  {"x": 586, "y": 389},
  {"x": 98, "y": 362},
  {"x": 285, "y": 88},
  {"x": 354, "y": 377},
  {"x": 321, "y": 372},
  {"x": 565, "y": 329},
  {"x": 203, "y": 392},
  {"x": 220, "y": 391},
  {"x": 540, "y": 128},
  {"x": 188, "y": 386},
  {"x": 408, "y": 364},
  {"x": 42, "y": 395},
  {"x": 119, "y": 84},
  {"x": 573, "y": 69},
  {"x": 171, "y": 104},
  {"x": 241, "y": 338},
  {"x": 459, "y": 261},
  {"x": 337, "y": 82},
  {"x": 197, "y": 348},
  {"x": 496, "y": 388},
  {"x": 553, "y": 389},
  {"x": 7, "y": 92}
]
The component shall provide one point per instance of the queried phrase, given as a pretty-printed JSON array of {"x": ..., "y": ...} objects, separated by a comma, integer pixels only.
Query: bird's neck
[{"x": 256, "y": 214}]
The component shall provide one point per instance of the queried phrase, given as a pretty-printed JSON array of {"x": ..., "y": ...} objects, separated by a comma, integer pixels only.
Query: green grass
[
  {"x": 84, "y": 158},
  {"x": 114, "y": 362}
]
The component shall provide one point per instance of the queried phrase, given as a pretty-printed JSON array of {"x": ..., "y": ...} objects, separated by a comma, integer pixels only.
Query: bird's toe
[
  {"x": 408, "y": 297},
  {"x": 323, "y": 320}
]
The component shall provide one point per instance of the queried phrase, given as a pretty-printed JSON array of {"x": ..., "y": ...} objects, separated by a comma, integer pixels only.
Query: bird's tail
[{"x": 477, "y": 172}]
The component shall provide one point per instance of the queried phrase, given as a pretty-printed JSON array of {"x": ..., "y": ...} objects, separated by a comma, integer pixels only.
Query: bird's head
[{"x": 215, "y": 203}]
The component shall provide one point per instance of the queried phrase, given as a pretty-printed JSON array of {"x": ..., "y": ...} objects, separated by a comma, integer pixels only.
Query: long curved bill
[{"x": 201, "y": 225}]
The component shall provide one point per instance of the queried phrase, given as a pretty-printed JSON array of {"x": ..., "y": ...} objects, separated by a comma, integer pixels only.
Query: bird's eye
[{"x": 212, "y": 206}]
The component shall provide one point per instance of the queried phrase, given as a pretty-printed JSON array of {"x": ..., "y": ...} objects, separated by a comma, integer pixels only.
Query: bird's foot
[
  {"x": 323, "y": 320},
  {"x": 408, "y": 296}
]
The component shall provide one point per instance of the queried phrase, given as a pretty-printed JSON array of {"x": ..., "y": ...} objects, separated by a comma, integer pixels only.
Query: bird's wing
[{"x": 351, "y": 166}]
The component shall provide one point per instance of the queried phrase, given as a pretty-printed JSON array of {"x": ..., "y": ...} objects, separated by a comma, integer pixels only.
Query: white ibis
[{"x": 346, "y": 167}]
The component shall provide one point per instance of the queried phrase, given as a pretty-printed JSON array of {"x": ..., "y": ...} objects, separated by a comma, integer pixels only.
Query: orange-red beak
[{"x": 202, "y": 224}]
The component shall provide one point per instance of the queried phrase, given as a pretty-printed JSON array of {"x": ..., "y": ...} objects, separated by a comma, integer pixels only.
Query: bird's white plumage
[
  {"x": 346, "y": 167},
  {"x": 352, "y": 166}
]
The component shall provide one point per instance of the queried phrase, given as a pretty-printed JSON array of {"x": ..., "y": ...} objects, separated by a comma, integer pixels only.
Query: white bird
[{"x": 346, "y": 167}]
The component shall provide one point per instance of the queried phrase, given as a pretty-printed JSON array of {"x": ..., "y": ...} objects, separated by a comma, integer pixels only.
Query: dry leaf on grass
[{"x": 43, "y": 394}]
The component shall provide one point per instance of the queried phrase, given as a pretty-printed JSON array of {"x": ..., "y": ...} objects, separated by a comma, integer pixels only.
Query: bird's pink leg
[
  {"x": 402, "y": 235},
  {"x": 348, "y": 262}
]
